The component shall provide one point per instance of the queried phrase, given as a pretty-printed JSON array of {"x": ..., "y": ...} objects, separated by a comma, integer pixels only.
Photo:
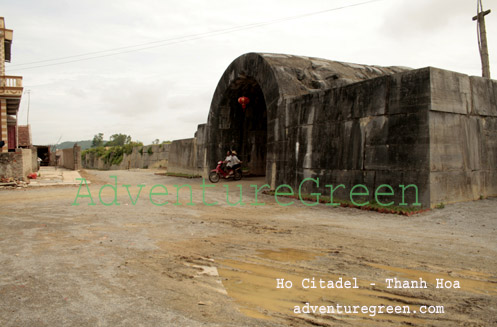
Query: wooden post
[{"x": 482, "y": 40}]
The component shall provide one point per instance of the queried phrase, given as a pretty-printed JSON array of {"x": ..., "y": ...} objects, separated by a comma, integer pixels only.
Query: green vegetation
[
  {"x": 182, "y": 175},
  {"x": 372, "y": 206},
  {"x": 113, "y": 151},
  {"x": 119, "y": 140},
  {"x": 98, "y": 140},
  {"x": 112, "y": 154},
  {"x": 441, "y": 205}
]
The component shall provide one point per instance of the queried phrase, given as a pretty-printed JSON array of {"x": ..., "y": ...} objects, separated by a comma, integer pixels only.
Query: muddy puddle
[{"x": 252, "y": 283}]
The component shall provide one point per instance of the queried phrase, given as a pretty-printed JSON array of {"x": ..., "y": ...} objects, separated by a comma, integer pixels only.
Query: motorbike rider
[
  {"x": 235, "y": 162},
  {"x": 228, "y": 161}
]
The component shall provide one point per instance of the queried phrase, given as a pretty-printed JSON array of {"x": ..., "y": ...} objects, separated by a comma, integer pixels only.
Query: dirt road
[{"x": 140, "y": 264}]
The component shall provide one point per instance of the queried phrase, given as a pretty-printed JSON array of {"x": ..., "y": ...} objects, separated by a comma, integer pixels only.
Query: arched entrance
[
  {"x": 229, "y": 127},
  {"x": 246, "y": 131},
  {"x": 287, "y": 102}
]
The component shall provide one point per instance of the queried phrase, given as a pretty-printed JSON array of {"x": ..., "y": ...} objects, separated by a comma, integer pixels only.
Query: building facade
[{"x": 10, "y": 94}]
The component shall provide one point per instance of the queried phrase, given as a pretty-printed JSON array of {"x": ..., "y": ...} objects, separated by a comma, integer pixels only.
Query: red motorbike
[{"x": 216, "y": 174}]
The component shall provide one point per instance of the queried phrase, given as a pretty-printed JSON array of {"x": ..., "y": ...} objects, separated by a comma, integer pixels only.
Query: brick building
[
  {"x": 10, "y": 94},
  {"x": 24, "y": 136}
]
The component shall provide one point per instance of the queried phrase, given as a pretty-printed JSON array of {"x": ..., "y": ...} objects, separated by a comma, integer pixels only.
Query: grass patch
[
  {"x": 441, "y": 205},
  {"x": 179, "y": 175},
  {"x": 371, "y": 206}
]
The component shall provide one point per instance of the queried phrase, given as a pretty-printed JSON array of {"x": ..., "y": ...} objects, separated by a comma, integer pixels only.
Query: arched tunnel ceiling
[
  {"x": 298, "y": 74},
  {"x": 285, "y": 76}
]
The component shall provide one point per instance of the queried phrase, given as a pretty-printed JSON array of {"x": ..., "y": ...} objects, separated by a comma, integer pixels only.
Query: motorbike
[{"x": 217, "y": 173}]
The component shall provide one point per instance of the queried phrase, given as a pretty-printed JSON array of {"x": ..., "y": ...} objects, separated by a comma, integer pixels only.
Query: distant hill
[{"x": 69, "y": 144}]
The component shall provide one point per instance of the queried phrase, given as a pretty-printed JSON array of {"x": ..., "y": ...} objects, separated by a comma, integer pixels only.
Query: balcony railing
[{"x": 10, "y": 85}]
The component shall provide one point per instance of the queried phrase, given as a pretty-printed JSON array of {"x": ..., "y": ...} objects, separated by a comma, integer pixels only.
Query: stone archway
[
  {"x": 247, "y": 129},
  {"x": 289, "y": 96},
  {"x": 230, "y": 127}
]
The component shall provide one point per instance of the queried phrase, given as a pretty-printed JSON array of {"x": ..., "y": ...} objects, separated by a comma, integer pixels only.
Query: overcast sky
[{"x": 165, "y": 90}]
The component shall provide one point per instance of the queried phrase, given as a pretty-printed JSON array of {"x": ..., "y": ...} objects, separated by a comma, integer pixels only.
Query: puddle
[
  {"x": 252, "y": 284},
  {"x": 287, "y": 255}
]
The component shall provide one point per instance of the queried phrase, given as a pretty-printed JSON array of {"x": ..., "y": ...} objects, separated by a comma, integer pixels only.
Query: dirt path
[{"x": 196, "y": 265}]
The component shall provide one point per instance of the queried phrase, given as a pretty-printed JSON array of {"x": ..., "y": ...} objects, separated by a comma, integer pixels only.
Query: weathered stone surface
[
  {"x": 70, "y": 158},
  {"x": 484, "y": 96},
  {"x": 18, "y": 164},
  {"x": 455, "y": 142},
  {"x": 455, "y": 185},
  {"x": 489, "y": 144},
  {"x": 354, "y": 124},
  {"x": 140, "y": 157},
  {"x": 450, "y": 91},
  {"x": 272, "y": 81},
  {"x": 183, "y": 156},
  {"x": 409, "y": 92}
]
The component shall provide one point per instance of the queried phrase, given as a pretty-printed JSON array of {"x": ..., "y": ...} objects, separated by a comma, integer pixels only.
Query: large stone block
[
  {"x": 450, "y": 91},
  {"x": 335, "y": 145},
  {"x": 397, "y": 142},
  {"x": 484, "y": 96},
  {"x": 489, "y": 143},
  {"x": 489, "y": 183},
  {"x": 409, "y": 92},
  {"x": 455, "y": 142},
  {"x": 454, "y": 186}
]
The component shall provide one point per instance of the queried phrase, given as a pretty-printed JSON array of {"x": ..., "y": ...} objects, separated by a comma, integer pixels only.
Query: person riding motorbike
[
  {"x": 228, "y": 161},
  {"x": 236, "y": 163}
]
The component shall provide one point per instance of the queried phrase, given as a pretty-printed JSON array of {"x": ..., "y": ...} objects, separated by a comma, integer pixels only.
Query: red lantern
[{"x": 244, "y": 101}]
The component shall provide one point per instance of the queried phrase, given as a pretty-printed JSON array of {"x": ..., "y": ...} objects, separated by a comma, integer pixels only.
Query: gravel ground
[{"x": 140, "y": 264}]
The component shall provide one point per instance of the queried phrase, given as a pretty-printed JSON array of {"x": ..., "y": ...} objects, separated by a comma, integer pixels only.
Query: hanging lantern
[{"x": 244, "y": 101}]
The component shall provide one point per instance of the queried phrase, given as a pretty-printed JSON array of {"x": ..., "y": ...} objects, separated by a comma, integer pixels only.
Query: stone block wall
[
  {"x": 70, "y": 158},
  {"x": 429, "y": 127},
  {"x": 18, "y": 164},
  {"x": 371, "y": 133},
  {"x": 149, "y": 156},
  {"x": 352, "y": 125},
  {"x": 34, "y": 158},
  {"x": 183, "y": 156},
  {"x": 188, "y": 156},
  {"x": 463, "y": 137}
]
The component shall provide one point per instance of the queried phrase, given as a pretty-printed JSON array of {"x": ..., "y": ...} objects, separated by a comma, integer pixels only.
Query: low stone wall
[
  {"x": 187, "y": 156},
  {"x": 27, "y": 162},
  {"x": 70, "y": 158},
  {"x": 34, "y": 159},
  {"x": 149, "y": 156},
  {"x": 17, "y": 164}
]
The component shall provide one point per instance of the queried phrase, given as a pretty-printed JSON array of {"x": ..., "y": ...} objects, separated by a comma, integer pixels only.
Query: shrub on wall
[{"x": 112, "y": 155}]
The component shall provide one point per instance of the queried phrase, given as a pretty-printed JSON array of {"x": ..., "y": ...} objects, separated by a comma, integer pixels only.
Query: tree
[
  {"x": 119, "y": 139},
  {"x": 156, "y": 141},
  {"x": 98, "y": 140}
]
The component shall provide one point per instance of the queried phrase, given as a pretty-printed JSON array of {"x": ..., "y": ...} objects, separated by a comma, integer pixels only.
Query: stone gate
[{"x": 353, "y": 124}]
